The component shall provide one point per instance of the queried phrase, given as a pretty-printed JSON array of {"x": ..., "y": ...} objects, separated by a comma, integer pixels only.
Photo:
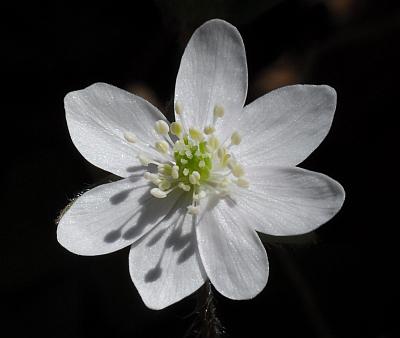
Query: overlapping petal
[
  {"x": 213, "y": 71},
  {"x": 286, "y": 125},
  {"x": 112, "y": 216},
  {"x": 99, "y": 116},
  {"x": 165, "y": 265},
  {"x": 287, "y": 201},
  {"x": 232, "y": 253}
]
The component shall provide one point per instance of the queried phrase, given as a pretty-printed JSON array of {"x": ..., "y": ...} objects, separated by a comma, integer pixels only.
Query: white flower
[{"x": 195, "y": 192}]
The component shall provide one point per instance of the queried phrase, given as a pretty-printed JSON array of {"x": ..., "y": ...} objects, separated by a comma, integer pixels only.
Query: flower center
[
  {"x": 198, "y": 162},
  {"x": 194, "y": 160}
]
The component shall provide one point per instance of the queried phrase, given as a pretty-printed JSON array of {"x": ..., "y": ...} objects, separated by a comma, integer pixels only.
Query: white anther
[
  {"x": 184, "y": 161},
  {"x": 209, "y": 130},
  {"x": 176, "y": 128},
  {"x": 158, "y": 193},
  {"x": 179, "y": 146},
  {"x": 199, "y": 196},
  {"x": 213, "y": 143},
  {"x": 196, "y": 134},
  {"x": 161, "y": 127},
  {"x": 143, "y": 159},
  {"x": 224, "y": 157},
  {"x": 164, "y": 185},
  {"x": 225, "y": 183},
  {"x": 230, "y": 163},
  {"x": 165, "y": 169},
  {"x": 218, "y": 111},
  {"x": 185, "y": 172},
  {"x": 130, "y": 137},
  {"x": 193, "y": 210},
  {"x": 202, "y": 164},
  {"x": 194, "y": 177},
  {"x": 184, "y": 187},
  {"x": 153, "y": 178},
  {"x": 237, "y": 170},
  {"x": 175, "y": 172},
  {"x": 188, "y": 154},
  {"x": 162, "y": 147},
  {"x": 221, "y": 152},
  {"x": 235, "y": 138},
  {"x": 242, "y": 182},
  {"x": 178, "y": 108}
]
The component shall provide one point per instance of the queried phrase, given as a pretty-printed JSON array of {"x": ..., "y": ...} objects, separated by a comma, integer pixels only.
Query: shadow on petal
[
  {"x": 153, "y": 274},
  {"x": 113, "y": 236},
  {"x": 178, "y": 244}
]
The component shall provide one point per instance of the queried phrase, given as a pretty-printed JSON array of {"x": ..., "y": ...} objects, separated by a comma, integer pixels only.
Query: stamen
[
  {"x": 236, "y": 138},
  {"x": 164, "y": 185},
  {"x": 165, "y": 169},
  {"x": 199, "y": 196},
  {"x": 178, "y": 108},
  {"x": 162, "y": 147},
  {"x": 161, "y": 127},
  {"x": 185, "y": 171},
  {"x": 188, "y": 154},
  {"x": 194, "y": 177},
  {"x": 184, "y": 187},
  {"x": 130, "y": 137},
  {"x": 237, "y": 170},
  {"x": 221, "y": 152},
  {"x": 242, "y": 182},
  {"x": 179, "y": 146},
  {"x": 144, "y": 160},
  {"x": 175, "y": 172},
  {"x": 218, "y": 111},
  {"x": 176, "y": 129},
  {"x": 158, "y": 193},
  {"x": 193, "y": 210},
  {"x": 153, "y": 178},
  {"x": 213, "y": 143},
  {"x": 196, "y": 134},
  {"x": 209, "y": 130},
  {"x": 224, "y": 157},
  {"x": 202, "y": 164}
]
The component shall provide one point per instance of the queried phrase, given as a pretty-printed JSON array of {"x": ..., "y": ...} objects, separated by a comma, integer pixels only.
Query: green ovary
[{"x": 199, "y": 160}]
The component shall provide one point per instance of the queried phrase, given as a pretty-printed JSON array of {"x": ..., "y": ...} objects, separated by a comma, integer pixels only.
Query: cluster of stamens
[{"x": 196, "y": 162}]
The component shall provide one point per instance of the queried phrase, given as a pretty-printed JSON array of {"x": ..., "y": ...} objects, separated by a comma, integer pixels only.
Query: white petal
[
  {"x": 288, "y": 201},
  {"x": 232, "y": 253},
  {"x": 165, "y": 265},
  {"x": 286, "y": 125},
  {"x": 112, "y": 216},
  {"x": 100, "y": 115},
  {"x": 213, "y": 71}
]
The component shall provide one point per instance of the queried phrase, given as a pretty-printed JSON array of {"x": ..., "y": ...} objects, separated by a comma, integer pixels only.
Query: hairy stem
[{"x": 206, "y": 323}]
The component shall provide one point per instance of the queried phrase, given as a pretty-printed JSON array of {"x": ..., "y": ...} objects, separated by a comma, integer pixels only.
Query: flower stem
[{"x": 206, "y": 323}]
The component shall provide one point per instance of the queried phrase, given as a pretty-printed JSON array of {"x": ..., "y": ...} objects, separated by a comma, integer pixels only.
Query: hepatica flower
[{"x": 194, "y": 192}]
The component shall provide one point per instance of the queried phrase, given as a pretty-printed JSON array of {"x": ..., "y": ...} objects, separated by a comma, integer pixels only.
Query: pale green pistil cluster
[
  {"x": 192, "y": 158},
  {"x": 197, "y": 163}
]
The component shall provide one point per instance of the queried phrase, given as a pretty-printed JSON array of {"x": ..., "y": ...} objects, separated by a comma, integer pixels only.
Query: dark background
[{"x": 340, "y": 281}]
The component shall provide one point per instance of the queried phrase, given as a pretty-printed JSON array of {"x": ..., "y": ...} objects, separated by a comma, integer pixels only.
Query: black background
[{"x": 339, "y": 281}]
